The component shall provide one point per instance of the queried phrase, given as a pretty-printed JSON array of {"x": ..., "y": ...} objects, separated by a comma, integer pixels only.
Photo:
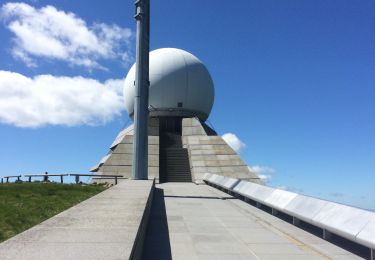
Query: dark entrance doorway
[
  {"x": 174, "y": 163},
  {"x": 170, "y": 124}
]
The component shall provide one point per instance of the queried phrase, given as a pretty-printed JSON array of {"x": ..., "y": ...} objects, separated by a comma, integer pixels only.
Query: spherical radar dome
[{"x": 180, "y": 85}]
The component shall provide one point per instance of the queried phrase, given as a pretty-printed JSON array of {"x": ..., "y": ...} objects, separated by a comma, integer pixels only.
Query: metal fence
[{"x": 46, "y": 177}]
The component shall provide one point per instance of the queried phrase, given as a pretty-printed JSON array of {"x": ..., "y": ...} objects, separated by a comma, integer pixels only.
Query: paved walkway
[
  {"x": 102, "y": 227},
  {"x": 190, "y": 221}
]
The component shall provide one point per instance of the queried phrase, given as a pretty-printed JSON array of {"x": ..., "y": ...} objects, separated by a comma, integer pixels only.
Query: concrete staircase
[{"x": 174, "y": 160}]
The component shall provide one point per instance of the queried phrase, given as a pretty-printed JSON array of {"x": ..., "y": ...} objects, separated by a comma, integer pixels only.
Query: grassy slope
[{"x": 24, "y": 205}]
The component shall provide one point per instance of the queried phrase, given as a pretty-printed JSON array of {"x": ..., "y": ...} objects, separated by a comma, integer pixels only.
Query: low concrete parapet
[
  {"x": 226, "y": 183},
  {"x": 354, "y": 224}
]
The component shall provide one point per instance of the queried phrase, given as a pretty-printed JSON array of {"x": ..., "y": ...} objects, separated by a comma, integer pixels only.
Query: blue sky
[{"x": 294, "y": 81}]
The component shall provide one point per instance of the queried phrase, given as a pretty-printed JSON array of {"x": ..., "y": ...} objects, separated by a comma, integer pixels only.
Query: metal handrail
[
  {"x": 77, "y": 175},
  {"x": 46, "y": 175}
]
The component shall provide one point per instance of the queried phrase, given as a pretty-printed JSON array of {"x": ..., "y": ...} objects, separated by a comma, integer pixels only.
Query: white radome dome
[{"x": 180, "y": 85}]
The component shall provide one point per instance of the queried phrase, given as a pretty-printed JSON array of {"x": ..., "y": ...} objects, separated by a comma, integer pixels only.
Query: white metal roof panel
[
  {"x": 230, "y": 183},
  {"x": 218, "y": 179},
  {"x": 305, "y": 208},
  {"x": 245, "y": 188},
  {"x": 212, "y": 177},
  {"x": 259, "y": 193},
  {"x": 238, "y": 188},
  {"x": 343, "y": 220},
  {"x": 367, "y": 235},
  {"x": 226, "y": 182},
  {"x": 279, "y": 199},
  {"x": 206, "y": 176}
]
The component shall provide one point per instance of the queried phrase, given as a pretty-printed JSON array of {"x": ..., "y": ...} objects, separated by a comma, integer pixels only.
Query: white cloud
[
  {"x": 54, "y": 34},
  {"x": 265, "y": 177},
  {"x": 234, "y": 142},
  {"x": 50, "y": 100},
  {"x": 264, "y": 172},
  {"x": 261, "y": 169}
]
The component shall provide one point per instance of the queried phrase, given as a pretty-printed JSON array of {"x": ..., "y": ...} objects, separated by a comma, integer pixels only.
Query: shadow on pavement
[{"x": 157, "y": 244}]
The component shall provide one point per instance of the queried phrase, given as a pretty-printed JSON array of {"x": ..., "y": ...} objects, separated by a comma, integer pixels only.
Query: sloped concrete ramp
[
  {"x": 190, "y": 221},
  {"x": 109, "y": 225}
]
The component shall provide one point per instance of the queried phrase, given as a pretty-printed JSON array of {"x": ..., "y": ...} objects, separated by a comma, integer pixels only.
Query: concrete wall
[
  {"x": 209, "y": 153},
  {"x": 120, "y": 157}
]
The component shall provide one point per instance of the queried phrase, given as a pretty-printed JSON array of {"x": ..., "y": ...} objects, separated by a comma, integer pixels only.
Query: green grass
[{"x": 23, "y": 205}]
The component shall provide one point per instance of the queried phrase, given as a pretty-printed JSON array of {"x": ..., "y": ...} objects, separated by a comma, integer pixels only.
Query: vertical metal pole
[
  {"x": 296, "y": 221},
  {"x": 140, "y": 144}
]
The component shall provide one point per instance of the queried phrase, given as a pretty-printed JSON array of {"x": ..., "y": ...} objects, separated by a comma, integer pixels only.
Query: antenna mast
[{"x": 140, "y": 142}]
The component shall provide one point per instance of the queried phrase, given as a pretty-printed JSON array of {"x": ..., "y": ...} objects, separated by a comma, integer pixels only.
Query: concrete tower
[{"x": 181, "y": 146}]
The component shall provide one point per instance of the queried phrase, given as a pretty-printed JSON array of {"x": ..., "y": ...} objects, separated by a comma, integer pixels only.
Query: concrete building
[{"x": 182, "y": 147}]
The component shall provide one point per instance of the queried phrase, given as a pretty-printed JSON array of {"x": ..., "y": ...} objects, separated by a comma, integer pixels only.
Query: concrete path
[
  {"x": 105, "y": 226},
  {"x": 190, "y": 221}
]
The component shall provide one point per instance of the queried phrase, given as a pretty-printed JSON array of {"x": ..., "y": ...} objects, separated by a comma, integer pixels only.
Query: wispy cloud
[
  {"x": 54, "y": 34},
  {"x": 233, "y": 141},
  {"x": 50, "y": 100},
  {"x": 265, "y": 177},
  {"x": 261, "y": 169},
  {"x": 265, "y": 173}
]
